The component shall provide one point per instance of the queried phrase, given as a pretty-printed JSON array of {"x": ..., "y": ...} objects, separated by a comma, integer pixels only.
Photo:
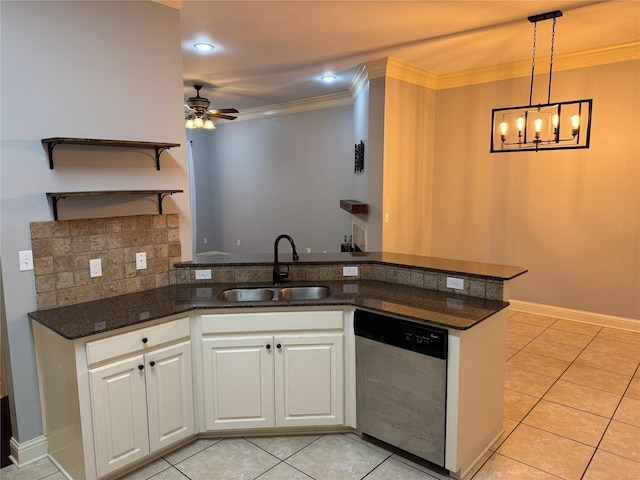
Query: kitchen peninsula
[{"x": 184, "y": 333}]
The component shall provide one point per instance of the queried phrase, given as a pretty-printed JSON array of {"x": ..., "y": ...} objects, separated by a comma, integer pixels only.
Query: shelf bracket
[
  {"x": 54, "y": 203},
  {"x": 159, "y": 150},
  {"x": 50, "y": 146},
  {"x": 160, "y": 198}
]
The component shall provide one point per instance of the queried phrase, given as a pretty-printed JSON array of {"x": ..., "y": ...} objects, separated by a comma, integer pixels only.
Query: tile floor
[{"x": 572, "y": 411}]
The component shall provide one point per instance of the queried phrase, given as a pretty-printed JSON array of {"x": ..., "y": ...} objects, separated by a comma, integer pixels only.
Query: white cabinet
[
  {"x": 291, "y": 377},
  {"x": 238, "y": 387},
  {"x": 112, "y": 400},
  {"x": 144, "y": 402},
  {"x": 309, "y": 380}
]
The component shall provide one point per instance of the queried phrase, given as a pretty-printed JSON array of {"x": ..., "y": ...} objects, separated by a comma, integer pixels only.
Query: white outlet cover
[
  {"x": 141, "y": 260},
  {"x": 95, "y": 268},
  {"x": 349, "y": 271},
  {"x": 203, "y": 274},
  {"x": 455, "y": 283}
]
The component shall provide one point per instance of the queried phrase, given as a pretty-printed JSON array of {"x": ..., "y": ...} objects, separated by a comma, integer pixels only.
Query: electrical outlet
[
  {"x": 238, "y": 242},
  {"x": 205, "y": 240},
  {"x": 25, "y": 259},
  {"x": 203, "y": 274},
  {"x": 455, "y": 283},
  {"x": 141, "y": 260},
  {"x": 349, "y": 271},
  {"x": 95, "y": 268},
  {"x": 308, "y": 250}
]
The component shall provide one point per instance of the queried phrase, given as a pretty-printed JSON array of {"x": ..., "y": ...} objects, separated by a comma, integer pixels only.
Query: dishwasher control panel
[{"x": 401, "y": 333}]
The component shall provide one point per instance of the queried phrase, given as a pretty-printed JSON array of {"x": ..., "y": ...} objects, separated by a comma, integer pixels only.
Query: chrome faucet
[{"x": 278, "y": 276}]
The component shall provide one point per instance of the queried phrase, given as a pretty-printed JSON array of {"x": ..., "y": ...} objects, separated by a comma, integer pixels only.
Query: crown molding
[
  {"x": 619, "y": 52},
  {"x": 177, "y": 4},
  {"x": 308, "y": 104},
  {"x": 393, "y": 68}
]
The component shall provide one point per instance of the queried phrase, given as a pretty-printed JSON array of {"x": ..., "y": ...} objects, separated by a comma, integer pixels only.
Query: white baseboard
[
  {"x": 25, "y": 453},
  {"x": 576, "y": 315}
]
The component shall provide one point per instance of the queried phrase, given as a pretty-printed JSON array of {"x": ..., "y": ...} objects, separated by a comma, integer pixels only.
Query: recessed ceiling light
[
  {"x": 203, "y": 47},
  {"x": 328, "y": 78}
]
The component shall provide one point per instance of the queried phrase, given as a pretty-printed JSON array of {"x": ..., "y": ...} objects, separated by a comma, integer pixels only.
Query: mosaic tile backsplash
[{"x": 62, "y": 250}]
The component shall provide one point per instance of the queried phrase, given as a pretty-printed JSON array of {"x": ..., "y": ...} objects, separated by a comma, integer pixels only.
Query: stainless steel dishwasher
[{"x": 401, "y": 382}]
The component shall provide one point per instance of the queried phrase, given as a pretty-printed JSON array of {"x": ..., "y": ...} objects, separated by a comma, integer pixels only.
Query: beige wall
[
  {"x": 571, "y": 217},
  {"x": 409, "y": 115}
]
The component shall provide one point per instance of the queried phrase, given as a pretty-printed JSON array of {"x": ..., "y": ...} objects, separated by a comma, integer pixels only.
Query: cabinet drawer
[
  {"x": 142, "y": 339},
  {"x": 272, "y": 321}
]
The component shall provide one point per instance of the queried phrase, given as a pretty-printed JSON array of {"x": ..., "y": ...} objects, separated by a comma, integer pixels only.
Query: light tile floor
[{"x": 572, "y": 411}]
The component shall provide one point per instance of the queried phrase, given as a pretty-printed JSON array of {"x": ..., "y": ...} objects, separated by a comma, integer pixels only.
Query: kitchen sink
[
  {"x": 259, "y": 294},
  {"x": 303, "y": 293},
  {"x": 264, "y": 294}
]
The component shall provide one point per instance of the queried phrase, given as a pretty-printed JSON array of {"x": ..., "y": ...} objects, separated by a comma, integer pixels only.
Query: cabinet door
[
  {"x": 119, "y": 408},
  {"x": 238, "y": 382},
  {"x": 309, "y": 380},
  {"x": 169, "y": 394}
]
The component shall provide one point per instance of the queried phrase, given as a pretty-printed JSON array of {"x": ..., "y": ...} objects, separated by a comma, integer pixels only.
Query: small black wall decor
[{"x": 359, "y": 163}]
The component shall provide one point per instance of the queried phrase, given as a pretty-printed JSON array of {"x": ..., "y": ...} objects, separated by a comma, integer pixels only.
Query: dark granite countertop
[
  {"x": 417, "y": 304},
  {"x": 488, "y": 270}
]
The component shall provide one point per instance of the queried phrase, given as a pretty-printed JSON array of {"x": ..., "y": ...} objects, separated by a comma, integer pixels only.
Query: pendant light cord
[
  {"x": 533, "y": 61},
  {"x": 553, "y": 35}
]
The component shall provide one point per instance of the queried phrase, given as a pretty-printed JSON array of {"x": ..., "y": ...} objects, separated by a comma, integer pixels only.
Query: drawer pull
[
  {"x": 268, "y": 346},
  {"x": 152, "y": 363},
  {"x": 140, "y": 367},
  {"x": 145, "y": 339}
]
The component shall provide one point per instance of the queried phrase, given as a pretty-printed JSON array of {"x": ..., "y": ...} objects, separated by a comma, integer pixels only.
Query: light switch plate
[{"x": 25, "y": 258}]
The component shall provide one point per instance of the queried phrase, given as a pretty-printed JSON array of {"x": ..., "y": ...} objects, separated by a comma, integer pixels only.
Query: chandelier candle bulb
[{"x": 538, "y": 125}]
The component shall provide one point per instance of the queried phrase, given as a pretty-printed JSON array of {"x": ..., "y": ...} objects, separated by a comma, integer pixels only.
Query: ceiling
[{"x": 273, "y": 52}]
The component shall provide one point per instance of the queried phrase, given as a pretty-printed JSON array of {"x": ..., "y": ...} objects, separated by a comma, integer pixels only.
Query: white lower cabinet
[
  {"x": 285, "y": 379},
  {"x": 141, "y": 404}
]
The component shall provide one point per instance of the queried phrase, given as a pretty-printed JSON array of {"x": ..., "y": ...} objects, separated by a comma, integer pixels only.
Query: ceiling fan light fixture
[
  {"x": 198, "y": 115},
  {"x": 203, "y": 47}
]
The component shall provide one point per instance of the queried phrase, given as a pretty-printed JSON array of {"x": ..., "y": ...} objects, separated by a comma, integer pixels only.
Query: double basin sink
[{"x": 264, "y": 294}]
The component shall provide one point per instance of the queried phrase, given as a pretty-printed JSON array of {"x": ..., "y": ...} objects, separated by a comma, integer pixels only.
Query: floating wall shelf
[
  {"x": 56, "y": 196},
  {"x": 354, "y": 207},
  {"x": 51, "y": 143}
]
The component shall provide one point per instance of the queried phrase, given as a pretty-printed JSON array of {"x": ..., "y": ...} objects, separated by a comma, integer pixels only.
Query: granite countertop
[
  {"x": 436, "y": 264},
  {"x": 416, "y": 304}
]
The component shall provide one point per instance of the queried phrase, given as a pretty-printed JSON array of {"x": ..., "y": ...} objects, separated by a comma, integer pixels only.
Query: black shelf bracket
[{"x": 160, "y": 198}]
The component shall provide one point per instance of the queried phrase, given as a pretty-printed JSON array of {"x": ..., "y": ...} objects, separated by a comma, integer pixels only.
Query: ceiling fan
[{"x": 197, "y": 115}]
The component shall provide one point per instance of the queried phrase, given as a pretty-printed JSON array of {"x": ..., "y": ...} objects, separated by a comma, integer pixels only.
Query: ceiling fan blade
[
  {"x": 220, "y": 115},
  {"x": 223, "y": 110}
]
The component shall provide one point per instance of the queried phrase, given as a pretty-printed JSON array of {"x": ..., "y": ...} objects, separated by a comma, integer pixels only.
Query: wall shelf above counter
[
  {"x": 158, "y": 147},
  {"x": 354, "y": 207},
  {"x": 56, "y": 196}
]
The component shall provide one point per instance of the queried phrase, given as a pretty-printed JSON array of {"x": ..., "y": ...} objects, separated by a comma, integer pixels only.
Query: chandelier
[{"x": 548, "y": 126}]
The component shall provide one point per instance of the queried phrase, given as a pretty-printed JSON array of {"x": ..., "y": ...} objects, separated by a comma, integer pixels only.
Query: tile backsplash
[{"x": 62, "y": 250}]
